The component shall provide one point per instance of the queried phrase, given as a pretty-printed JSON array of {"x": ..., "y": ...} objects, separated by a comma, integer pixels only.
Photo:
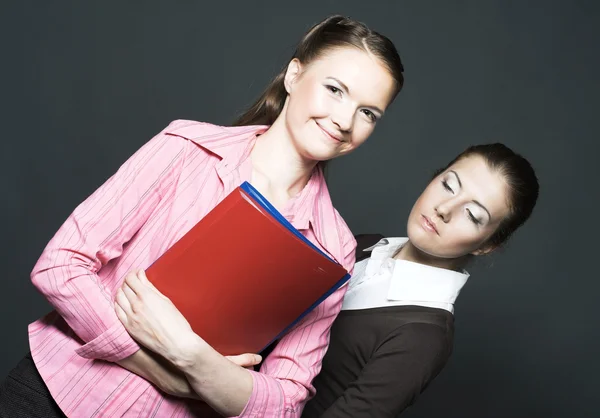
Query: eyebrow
[
  {"x": 474, "y": 201},
  {"x": 347, "y": 90}
]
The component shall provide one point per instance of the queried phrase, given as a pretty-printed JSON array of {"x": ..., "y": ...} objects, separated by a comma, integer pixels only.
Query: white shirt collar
[{"x": 382, "y": 281}]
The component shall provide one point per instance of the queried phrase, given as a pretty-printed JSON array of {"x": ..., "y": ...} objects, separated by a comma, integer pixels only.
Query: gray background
[{"x": 85, "y": 84}]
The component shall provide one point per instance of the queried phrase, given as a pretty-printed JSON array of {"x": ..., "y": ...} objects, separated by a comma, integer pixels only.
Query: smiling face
[
  {"x": 459, "y": 210},
  {"x": 335, "y": 101}
]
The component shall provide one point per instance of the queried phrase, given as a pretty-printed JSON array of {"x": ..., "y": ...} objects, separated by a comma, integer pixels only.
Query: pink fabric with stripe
[{"x": 155, "y": 197}]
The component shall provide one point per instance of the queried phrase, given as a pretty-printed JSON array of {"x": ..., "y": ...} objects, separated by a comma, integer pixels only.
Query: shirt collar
[
  {"x": 233, "y": 145},
  {"x": 413, "y": 281},
  {"x": 305, "y": 207},
  {"x": 230, "y": 143}
]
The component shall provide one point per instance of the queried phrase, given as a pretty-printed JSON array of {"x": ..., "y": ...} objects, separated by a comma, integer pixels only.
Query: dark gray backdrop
[{"x": 85, "y": 84}]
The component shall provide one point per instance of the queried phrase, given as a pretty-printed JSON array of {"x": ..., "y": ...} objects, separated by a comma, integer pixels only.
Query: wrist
[{"x": 188, "y": 353}]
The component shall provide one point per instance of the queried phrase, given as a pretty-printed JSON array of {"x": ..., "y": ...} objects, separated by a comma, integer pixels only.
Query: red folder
[{"x": 243, "y": 275}]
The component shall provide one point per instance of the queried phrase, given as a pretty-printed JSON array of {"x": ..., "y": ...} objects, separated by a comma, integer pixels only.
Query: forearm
[
  {"x": 158, "y": 371},
  {"x": 95, "y": 233},
  {"x": 281, "y": 388},
  {"x": 223, "y": 385}
]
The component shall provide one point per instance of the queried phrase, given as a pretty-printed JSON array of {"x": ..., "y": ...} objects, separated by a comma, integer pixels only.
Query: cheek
[
  {"x": 464, "y": 238},
  {"x": 362, "y": 131},
  {"x": 456, "y": 240},
  {"x": 358, "y": 138},
  {"x": 424, "y": 204},
  {"x": 309, "y": 100}
]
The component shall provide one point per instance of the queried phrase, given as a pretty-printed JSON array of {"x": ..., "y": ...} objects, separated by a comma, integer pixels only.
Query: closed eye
[
  {"x": 447, "y": 186},
  {"x": 473, "y": 218}
]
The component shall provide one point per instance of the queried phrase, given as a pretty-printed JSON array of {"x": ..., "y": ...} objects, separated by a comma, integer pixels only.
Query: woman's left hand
[{"x": 153, "y": 320}]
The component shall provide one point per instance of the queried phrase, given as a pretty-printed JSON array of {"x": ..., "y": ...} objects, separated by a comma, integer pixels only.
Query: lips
[
  {"x": 428, "y": 224},
  {"x": 329, "y": 134}
]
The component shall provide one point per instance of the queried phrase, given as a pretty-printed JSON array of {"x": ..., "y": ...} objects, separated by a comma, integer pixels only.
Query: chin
[
  {"x": 315, "y": 157},
  {"x": 320, "y": 153},
  {"x": 422, "y": 241},
  {"x": 415, "y": 233},
  {"x": 435, "y": 253}
]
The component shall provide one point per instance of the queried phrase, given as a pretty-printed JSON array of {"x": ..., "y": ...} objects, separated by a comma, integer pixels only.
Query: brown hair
[
  {"x": 521, "y": 181},
  {"x": 333, "y": 32}
]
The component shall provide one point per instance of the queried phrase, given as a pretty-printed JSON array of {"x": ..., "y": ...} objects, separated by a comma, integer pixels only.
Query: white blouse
[{"x": 381, "y": 281}]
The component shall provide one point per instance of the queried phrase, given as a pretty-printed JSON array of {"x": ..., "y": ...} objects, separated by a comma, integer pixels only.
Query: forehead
[
  {"x": 368, "y": 80},
  {"x": 485, "y": 185}
]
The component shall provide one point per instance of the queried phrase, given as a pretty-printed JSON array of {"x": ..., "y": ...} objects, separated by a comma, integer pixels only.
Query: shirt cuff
[
  {"x": 112, "y": 345},
  {"x": 267, "y": 398}
]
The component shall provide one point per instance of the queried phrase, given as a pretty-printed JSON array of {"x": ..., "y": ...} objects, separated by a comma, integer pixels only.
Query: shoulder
[
  {"x": 428, "y": 341},
  {"x": 192, "y": 129},
  {"x": 215, "y": 138},
  {"x": 364, "y": 241}
]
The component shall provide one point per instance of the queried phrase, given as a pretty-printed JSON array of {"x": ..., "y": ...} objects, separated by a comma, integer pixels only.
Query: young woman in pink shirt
[{"x": 83, "y": 363}]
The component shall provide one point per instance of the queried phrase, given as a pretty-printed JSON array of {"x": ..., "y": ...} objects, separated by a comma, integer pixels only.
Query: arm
[
  {"x": 95, "y": 233},
  {"x": 284, "y": 383},
  {"x": 279, "y": 390},
  {"x": 170, "y": 380},
  {"x": 155, "y": 369},
  {"x": 397, "y": 373}
]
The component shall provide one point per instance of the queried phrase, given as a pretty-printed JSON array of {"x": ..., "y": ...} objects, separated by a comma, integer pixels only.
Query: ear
[
  {"x": 293, "y": 71},
  {"x": 484, "y": 250}
]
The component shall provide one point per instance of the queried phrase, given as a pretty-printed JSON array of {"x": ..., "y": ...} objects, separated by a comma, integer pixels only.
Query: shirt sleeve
[
  {"x": 284, "y": 382},
  {"x": 95, "y": 233},
  {"x": 397, "y": 373}
]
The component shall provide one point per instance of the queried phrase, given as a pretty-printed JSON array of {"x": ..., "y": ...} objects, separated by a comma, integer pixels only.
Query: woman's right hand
[{"x": 158, "y": 371}]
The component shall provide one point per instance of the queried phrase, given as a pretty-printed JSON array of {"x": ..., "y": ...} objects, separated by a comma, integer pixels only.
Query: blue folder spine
[
  {"x": 314, "y": 305},
  {"x": 262, "y": 201}
]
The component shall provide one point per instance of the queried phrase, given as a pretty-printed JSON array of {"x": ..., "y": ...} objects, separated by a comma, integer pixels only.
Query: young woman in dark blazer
[{"x": 395, "y": 331}]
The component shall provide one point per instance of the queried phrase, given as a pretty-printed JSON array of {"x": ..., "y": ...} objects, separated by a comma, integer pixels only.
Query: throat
[
  {"x": 276, "y": 191},
  {"x": 276, "y": 171},
  {"x": 409, "y": 252}
]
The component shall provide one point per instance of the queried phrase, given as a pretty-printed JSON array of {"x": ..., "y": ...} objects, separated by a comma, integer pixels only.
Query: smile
[{"x": 337, "y": 138}]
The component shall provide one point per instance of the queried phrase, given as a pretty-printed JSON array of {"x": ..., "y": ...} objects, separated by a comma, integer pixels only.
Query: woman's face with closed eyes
[{"x": 459, "y": 210}]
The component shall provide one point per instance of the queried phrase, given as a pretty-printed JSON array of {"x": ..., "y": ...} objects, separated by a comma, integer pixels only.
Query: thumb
[{"x": 245, "y": 360}]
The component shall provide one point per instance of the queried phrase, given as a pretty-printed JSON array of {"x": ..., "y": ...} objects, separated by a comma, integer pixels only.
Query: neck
[
  {"x": 278, "y": 170},
  {"x": 411, "y": 253}
]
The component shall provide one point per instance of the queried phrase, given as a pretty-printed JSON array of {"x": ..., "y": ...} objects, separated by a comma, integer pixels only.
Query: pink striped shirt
[{"x": 154, "y": 198}]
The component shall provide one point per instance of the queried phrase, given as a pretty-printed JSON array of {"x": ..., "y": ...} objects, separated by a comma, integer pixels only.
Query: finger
[
  {"x": 129, "y": 293},
  {"x": 144, "y": 279},
  {"x": 121, "y": 314},
  {"x": 250, "y": 359},
  {"x": 134, "y": 282},
  {"x": 245, "y": 360},
  {"x": 122, "y": 301}
]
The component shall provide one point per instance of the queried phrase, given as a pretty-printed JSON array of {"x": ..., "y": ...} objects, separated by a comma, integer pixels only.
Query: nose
[
  {"x": 444, "y": 211},
  {"x": 343, "y": 118}
]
